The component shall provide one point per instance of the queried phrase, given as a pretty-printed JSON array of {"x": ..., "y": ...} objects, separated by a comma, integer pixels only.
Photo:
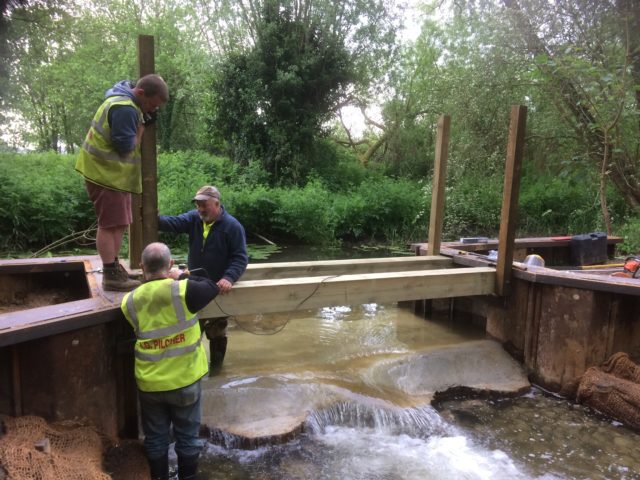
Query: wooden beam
[
  {"x": 439, "y": 176},
  {"x": 290, "y": 294},
  {"x": 144, "y": 228},
  {"x": 266, "y": 271},
  {"x": 510, "y": 195}
]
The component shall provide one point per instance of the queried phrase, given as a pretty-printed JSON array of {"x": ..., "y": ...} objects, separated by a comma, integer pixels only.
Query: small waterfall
[
  {"x": 420, "y": 422},
  {"x": 231, "y": 441}
]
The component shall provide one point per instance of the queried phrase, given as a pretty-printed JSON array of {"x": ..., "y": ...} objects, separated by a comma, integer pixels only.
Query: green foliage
[
  {"x": 42, "y": 200},
  {"x": 337, "y": 168},
  {"x": 381, "y": 209},
  {"x": 409, "y": 152},
  {"x": 180, "y": 175},
  {"x": 553, "y": 206},
  {"x": 563, "y": 204},
  {"x": 472, "y": 207},
  {"x": 271, "y": 101},
  {"x": 630, "y": 231},
  {"x": 254, "y": 206},
  {"x": 306, "y": 214}
]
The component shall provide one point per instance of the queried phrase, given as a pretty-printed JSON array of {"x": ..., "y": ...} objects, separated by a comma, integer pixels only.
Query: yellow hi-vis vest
[
  {"x": 99, "y": 161},
  {"x": 169, "y": 353}
]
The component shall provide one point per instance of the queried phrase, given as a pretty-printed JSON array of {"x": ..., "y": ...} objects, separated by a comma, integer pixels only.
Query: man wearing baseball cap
[{"x": 217, "y": 249}]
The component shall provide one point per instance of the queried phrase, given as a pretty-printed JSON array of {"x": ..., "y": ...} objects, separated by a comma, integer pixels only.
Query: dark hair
[{"x": 153, "y": 85}]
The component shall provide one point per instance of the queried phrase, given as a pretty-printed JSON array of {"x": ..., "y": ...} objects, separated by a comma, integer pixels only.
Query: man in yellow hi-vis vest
[
  {"x": 170, "y": 359},
  {"x": 109, "y": 160}
]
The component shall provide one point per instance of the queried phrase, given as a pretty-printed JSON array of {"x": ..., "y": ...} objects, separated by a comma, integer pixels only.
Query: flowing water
[{"x": 334, "y": 374}]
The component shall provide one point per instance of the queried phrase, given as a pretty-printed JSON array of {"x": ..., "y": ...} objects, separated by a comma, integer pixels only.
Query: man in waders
[
  {"x": 217, "y": 249},
  {"x": 170, "y": 359}
]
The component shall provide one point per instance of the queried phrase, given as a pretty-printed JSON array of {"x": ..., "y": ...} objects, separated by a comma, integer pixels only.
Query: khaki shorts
[{"x": 112, "y": 207}]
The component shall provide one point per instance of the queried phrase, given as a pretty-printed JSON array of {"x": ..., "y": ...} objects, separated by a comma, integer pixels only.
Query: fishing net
[
  {"x": 621, "y": 366},
  {"x": 613, "y": 395},
  {"x": 30, "y": 448}
]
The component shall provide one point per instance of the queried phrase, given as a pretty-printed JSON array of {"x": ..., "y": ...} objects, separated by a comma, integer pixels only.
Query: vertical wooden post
[
  {"x": 144, "y": 229},
  {"x": 510, "y": 195},
  {"x": 437, "y": 194}
]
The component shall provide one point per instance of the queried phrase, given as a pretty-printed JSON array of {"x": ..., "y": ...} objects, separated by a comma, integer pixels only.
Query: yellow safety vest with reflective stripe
[
  {"x": 169, "y": 353},
  {"x": 99, "y": 161}
]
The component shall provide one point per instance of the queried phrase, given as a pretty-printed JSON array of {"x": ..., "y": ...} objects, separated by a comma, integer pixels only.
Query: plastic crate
[{"x": 588, "y": 249}]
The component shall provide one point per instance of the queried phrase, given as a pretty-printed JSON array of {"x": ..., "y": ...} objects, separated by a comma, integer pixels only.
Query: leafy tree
[
  {"x": 587, "y": 54},
  {"x": 272, "y": 99},
  {"x": 36, "y": 37},
  {"x": 59, "y": 68},
  {"x": 456, "y": 67}
]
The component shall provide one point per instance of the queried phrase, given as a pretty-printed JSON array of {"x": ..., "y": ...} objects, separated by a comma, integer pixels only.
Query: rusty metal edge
[
  {"x": 549, "y": 276},
  {"x": 59, "y": 325}
]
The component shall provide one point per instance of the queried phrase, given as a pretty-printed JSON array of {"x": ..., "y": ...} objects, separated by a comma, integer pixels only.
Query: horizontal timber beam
[
  {"x": 268, "y": 296},
  {"x": 264, "y": 271}
]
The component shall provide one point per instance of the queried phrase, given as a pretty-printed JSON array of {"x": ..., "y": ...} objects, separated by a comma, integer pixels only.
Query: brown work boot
[
  {"x": 116, "y": 279},
  {"x": 122, "y": 268}
]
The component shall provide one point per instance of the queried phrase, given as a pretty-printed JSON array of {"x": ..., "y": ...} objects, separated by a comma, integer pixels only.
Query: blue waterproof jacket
[{"x": 223, "y": 255}]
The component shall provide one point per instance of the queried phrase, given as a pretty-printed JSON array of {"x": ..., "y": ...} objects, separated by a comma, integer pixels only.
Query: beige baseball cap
[{"x": 206, "y": 192}]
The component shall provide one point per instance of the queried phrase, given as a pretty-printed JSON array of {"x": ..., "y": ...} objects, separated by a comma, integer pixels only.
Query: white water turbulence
[
  {"x": 399, "y": 443},
  {"x": 346, "y": 393}
]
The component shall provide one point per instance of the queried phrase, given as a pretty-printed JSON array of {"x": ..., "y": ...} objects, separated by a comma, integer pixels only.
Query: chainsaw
[{"x": 631, "y": 268}]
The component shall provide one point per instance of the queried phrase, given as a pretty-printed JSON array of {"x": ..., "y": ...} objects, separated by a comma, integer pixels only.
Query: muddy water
[{"x": 328, "y": 370}]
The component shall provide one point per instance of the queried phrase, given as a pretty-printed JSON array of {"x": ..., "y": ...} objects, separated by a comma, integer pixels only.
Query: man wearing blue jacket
[{"x": 217, "y": 249}]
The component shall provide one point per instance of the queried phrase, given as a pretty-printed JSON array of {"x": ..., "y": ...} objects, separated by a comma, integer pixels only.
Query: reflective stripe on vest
[
  {"x": 98, "y": 160},
  {"x": 182, "y": 324},
  {"x": 168, "y": 353},
  {"x": 155, "y": 357}
]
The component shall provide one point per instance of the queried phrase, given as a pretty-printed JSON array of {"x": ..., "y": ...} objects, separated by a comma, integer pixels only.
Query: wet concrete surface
[{"x": 314, "y": 366}]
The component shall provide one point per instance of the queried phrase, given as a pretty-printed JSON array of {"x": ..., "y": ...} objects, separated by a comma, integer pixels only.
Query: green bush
[
  {"x": 350, "y": 212},
  {"x": 337, "y": 168},
  {"x": 631, "y": 234},
  {"x": 255, "y": 207},
  {"x": 550, "y": 205},
  {"x": 180, "y": 174},
  {"x": 43, "y": 200},
  {"x": 392, "y": 210},
  {"x": 305, "y": 214},
  {"x": 472, "y": 207}
]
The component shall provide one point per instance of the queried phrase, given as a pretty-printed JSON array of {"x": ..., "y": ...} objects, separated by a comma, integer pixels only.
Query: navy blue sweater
[{"x": 223, "y": 255}]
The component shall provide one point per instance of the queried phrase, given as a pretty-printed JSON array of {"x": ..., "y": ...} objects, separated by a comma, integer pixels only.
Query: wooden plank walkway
[
  {"x": 270, "y": 271},
  {"x": 265, "y": 288},
  {"x": 289, "y": 294}
]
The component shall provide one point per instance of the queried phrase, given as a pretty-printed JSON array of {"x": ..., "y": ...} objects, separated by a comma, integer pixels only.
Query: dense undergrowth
[{"x": 43, "y": 199}]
